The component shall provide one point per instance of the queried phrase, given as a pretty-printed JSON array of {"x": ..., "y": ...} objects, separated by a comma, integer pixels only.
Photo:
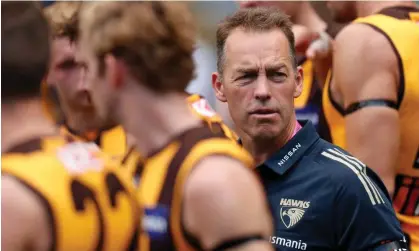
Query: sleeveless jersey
[
  {"x": 90, "y": 203},
  {"x": 112, "y": 141},
  {"x": 400, "y": 25},
  {"x": 162, "y": 178}
]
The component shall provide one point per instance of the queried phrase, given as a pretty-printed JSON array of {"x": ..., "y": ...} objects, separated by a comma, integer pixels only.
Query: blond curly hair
[{"x": 155, "y": 39}]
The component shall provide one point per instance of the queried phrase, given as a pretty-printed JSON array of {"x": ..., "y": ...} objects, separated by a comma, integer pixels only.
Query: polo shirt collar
[{"x": 281, "y": 161}]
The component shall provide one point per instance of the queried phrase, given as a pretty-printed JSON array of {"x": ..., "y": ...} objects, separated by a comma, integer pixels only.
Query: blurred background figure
[
  {"x": 66, "y": 96},
  {"x": 372, "y": 99}
]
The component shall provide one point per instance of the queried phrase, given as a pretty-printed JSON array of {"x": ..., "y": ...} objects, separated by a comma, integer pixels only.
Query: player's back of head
[
  {"x": 154, "y": 39},
  {"x": 25, "y": 49}
]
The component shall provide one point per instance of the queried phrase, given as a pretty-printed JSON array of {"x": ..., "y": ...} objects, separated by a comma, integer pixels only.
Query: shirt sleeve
[{"x": 364, "y": 215}]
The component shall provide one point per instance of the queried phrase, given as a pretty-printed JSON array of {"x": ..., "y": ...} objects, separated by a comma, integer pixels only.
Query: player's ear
[
  {"x": 218, "y": 87},
  {"x": 299, "y": 81},
  {"x": 114, "y": 71}
]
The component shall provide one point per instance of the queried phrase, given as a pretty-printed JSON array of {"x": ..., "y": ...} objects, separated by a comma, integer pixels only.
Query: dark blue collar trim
[{"x": 294, "y": 150}]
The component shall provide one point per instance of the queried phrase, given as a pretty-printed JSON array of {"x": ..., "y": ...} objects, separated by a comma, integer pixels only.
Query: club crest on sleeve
[{"x": 292, "y": 211}]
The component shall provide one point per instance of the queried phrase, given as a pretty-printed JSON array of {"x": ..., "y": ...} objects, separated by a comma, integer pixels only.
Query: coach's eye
[
  {"x": 278, "y": 76},
  {"x": 249, "y": 76}
]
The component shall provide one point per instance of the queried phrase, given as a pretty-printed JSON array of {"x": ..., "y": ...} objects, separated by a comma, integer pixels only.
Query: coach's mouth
[{"x": 264, "y": 113}]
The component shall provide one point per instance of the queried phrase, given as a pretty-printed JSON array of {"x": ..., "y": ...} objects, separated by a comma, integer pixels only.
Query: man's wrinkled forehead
[{"x": 264, "y": 48}]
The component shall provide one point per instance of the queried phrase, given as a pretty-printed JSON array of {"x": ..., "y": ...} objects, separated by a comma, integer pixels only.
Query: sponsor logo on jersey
[
  {"x": 292, "y": 211},
  {"x": 155, "y": 221},
  {"x": 289, "y": 154},
  {"x": 288, "y": 243}
]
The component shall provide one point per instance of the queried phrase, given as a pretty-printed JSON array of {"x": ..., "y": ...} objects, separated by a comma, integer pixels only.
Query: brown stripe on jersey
[
  {"x": 399, "y": 12},
  {"x": 138, "y": 172},
  {"x": 188, "y": 140},
  {"x": 27, "y": 147},
  {"x": 127, "y": 154}
]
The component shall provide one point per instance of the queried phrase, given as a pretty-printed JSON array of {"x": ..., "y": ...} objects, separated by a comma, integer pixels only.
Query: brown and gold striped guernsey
[
  {"x": 400, "y": 26},
  {"x": 112, "y": 141},
  {"x": 89, "y": 200},
  {"x": 161, "y": 182}
]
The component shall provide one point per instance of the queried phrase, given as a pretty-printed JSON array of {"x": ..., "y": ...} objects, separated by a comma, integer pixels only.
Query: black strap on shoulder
[
  {"x": 371, "y": 102},
  {"x": 237, "y": 242},
  {"x": 391, "y": 246}
]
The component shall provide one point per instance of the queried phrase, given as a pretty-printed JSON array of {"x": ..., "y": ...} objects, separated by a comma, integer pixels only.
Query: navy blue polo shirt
[{"x": 322, "y": 198}]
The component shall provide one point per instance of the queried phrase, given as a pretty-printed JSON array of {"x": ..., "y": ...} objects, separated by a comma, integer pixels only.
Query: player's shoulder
[
  {"x": 216, "y": 174},
  {"x": 361, "y": 38},
  {"x": 55, "y": 165},
  {"x": 209, "y": 144}
]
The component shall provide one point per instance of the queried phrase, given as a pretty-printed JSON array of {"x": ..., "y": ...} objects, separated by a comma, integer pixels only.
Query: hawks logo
[{"x": 292, "y": 211}]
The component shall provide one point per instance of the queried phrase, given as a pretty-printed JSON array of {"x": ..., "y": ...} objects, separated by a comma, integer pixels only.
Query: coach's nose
[{"x": 262, "y": 90}]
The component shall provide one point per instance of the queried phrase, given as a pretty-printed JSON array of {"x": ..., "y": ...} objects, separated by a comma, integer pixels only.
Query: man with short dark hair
[
  {"x": 322, "y": 198},
  {"x": 312, "y": 41}
]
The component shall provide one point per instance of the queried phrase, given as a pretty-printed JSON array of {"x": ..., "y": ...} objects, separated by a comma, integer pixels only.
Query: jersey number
[{"x": 81, "y": 194}]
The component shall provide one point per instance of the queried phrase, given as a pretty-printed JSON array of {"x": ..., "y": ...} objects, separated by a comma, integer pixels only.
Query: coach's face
[{"x": 259, "y": 82}]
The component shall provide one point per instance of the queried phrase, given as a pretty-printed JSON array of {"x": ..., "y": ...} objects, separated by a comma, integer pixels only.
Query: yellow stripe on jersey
[
  {"x": 92, "y": 203},
  {"x": 303, "y": 99}
]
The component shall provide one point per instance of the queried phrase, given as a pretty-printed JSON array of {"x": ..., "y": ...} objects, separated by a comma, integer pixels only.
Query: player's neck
[
  {"x": 261, "y": 150},
  {"x": 308, "y": 17},
  {"x": 155, "y": 125},
  {"x": 24, "y": 120},
  {"x": 366, "y": 8},
  {"x": 78, "y": 121}
]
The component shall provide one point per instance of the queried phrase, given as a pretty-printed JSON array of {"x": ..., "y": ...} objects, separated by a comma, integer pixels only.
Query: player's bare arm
[
  {"x": 24, "y": 222},
  {"x": 224, "y": 202},
  {"x": 365, "y": 69}
]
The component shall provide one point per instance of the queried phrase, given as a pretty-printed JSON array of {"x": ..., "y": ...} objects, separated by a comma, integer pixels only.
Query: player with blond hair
[{"x": 196, "y": 187}]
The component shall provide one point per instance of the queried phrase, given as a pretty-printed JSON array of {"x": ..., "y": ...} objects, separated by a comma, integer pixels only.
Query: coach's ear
[
  {"x": 115, "y": 71},
  {"x": 299, "y": 82},
  {"x": 218, "y": 87}
]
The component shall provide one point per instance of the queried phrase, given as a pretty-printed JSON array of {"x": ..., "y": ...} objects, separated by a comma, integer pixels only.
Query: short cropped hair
[
  {"x": 25, "y": 49},
  {"x": 62, "y": 17},
  {"x": 155, "y": 39},
  {"x": 253, "y": 19}
]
